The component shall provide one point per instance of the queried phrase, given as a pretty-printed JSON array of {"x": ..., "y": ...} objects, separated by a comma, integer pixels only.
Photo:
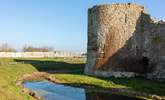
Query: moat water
[{"x": 52, "y": 91}]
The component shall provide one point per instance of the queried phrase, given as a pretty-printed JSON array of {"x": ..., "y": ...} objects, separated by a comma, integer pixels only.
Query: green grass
[
  {"x": 10, "y": 72},
  {"x": 143, "y": 85},
  {"x": 8, "y": 75},
  {"x": 135, "y": 84},
  {"x": 84, "y": 80}
]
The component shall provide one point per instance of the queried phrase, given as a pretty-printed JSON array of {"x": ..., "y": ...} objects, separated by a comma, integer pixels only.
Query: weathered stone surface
[{"x": 122, "y": 38}]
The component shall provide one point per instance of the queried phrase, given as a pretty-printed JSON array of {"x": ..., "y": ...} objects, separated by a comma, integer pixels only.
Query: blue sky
[{"x": 61, "y": 24}]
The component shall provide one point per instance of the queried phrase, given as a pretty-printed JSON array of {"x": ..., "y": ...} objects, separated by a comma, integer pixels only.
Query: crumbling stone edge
[{"x": 46, "y": 76}]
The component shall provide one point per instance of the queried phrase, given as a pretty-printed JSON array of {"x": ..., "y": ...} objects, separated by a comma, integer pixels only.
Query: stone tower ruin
[{"x": 123, "y": 41}]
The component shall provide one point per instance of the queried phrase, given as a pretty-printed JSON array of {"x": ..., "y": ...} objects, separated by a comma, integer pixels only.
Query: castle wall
[
  {"x": 154, "y": 49},
  {"x": 120, "y": 41}
]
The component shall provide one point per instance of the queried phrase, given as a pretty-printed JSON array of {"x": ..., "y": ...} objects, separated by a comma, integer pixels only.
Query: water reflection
[
  {"x": 52, "y": 91},
  {"x": 106, "y": 96}
]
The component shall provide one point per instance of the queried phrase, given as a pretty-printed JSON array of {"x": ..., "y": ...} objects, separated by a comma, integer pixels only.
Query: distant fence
[{"x": 39, "y": 54}]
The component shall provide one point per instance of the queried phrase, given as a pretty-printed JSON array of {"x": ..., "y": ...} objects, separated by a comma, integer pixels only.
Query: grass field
[{"x": 11, "y": 69}]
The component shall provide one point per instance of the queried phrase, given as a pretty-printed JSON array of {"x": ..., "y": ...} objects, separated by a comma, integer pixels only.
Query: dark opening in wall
[{"x": 145, "y": 62}]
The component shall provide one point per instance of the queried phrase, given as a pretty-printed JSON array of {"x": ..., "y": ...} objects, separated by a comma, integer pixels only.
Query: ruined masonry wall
[{"x": 121, "y": 42}]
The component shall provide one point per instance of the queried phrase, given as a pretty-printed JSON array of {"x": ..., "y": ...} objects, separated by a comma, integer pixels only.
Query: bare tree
[
  {"x": 37, "y": 49},
  {"x": 5, "y": 47}
]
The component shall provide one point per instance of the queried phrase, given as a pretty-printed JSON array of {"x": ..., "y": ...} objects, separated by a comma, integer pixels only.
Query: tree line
[{"x": 5, "y": 47}]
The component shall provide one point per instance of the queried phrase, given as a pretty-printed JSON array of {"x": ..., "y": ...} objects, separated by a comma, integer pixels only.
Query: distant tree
[
  {"x": 37, "y": 49},
  {"x": 46, "y": 49},
  {"x": 5, "y": 47},
  {"x": 84, "y": 54}
]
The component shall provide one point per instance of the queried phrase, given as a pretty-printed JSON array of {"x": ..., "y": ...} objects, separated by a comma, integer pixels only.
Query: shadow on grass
[
  {"x": 54, "y": 66},
  {"x": 106, "y": 96},
  {"x": 141, "y": 84}
]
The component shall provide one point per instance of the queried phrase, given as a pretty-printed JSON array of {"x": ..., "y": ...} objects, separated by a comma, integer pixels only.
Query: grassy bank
[
  {"x": 9, "y": 72},
  {"x": 11, "y": 69},
  {"x": 8, "y": 75},
  {"x": 132, "y": 84}
]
